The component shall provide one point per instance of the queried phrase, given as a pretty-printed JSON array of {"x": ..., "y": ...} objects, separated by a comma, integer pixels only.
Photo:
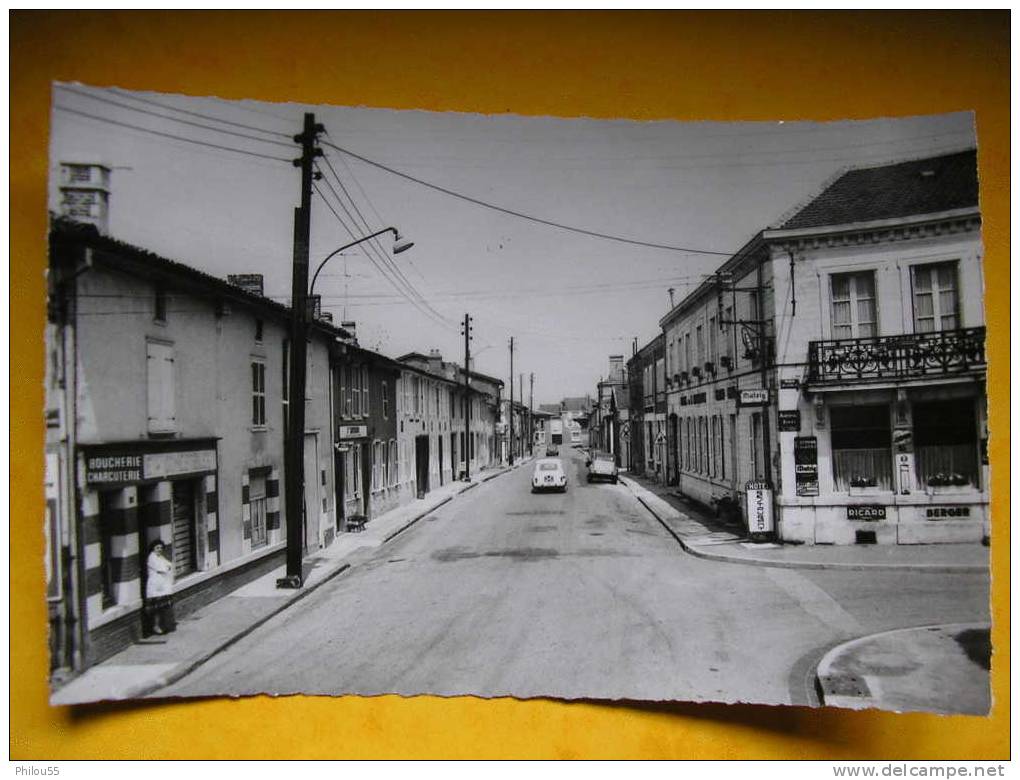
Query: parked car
[
  {"x": 602, "y": 465},
  {"x": 549, "y": 475}
]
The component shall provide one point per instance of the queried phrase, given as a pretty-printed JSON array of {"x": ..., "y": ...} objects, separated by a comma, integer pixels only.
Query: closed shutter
[
  {"x": 183, "y": 528},
  {"x": 161, "y": 399}
]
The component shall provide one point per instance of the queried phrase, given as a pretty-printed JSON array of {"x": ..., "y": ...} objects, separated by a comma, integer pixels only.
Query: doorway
[{"x": 421, "y": 463}]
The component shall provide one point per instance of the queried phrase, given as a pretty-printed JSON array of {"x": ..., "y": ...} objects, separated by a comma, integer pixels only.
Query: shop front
[
  {"x": 899, "y": 465},
  {"x": 132, "y": 494}
]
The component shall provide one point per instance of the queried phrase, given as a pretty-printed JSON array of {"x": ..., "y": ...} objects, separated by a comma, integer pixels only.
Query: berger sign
[{"x": 759, "y": 507}]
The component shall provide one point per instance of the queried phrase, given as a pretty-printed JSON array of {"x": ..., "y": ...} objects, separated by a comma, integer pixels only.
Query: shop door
[
  {"x": 183, "y": 525},
  {"x": 440, "y": 440},
  {"x": 312, "y": 497},
  {"x": 421, "y": 463}
]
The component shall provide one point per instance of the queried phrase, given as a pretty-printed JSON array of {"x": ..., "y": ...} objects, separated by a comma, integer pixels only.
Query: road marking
[{"x": 815, "y": 601}]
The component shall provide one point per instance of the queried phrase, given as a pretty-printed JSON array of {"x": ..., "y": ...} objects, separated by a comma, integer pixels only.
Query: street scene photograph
[{"x": 356, "y": 401}]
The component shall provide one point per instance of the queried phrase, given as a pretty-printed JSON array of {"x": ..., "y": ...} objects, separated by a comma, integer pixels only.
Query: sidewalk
[
  {"x": 158, "y": 661},
  {"x": 708, "y": 537},
  {"x": 943, "y": 669}
]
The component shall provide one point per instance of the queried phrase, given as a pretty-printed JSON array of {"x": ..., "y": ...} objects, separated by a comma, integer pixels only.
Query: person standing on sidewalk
[{"x": 159, "y": 588}]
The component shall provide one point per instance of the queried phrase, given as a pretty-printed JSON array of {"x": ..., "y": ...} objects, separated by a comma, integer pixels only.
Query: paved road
[{"x": 581, "y": 595}]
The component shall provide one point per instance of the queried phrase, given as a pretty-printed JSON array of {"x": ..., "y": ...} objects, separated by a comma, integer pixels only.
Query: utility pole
[
  {"x": 293, "y": 461},
  {"x": 531, "y": 417},
  {"x": 466, "y": 330},
  {"x": 511, "y": 414},
  {"x": 525, "y": 423}
]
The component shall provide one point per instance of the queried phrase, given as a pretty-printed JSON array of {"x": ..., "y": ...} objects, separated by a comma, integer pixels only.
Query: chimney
[
  {"x": 352, "y": 329},
  {"x": 251, "y": 283},
  {"x": 435, "y": 361},
  {"x": 616, "y": 368},
  {"x": 85, "y": 193}
]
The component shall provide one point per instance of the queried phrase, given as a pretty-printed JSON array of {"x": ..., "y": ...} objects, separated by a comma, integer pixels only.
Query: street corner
[{"x": 943, "y": 669}]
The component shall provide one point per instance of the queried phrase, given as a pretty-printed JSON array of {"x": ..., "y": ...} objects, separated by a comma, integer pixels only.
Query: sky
[{"x": 209, "y": 183}]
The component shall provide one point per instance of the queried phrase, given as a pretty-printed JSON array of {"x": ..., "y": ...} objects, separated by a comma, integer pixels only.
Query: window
[
  {"x": 861, "y": 446},
  {"x": 364, "y": 391},
  {"x": 352, "y": 471},
  {"x": 394, "y": 464},
  {"x": 946, "y": 443},
  {"x": 854, "y": 313},
  {"x": 706, "y": 455},
  {"x": 936, "y": 304},
  {"x": 355, "y": 391},
  {"x": 159, "y": 305},
  {"x": 700, "y": 339},
  {"x": 160, "y": 387},
  {"x": 257, "y": 501},
  {"x": 712, "y": 340},
  {"x": 258, "y": 393},
  {"x": 687, "y": 352},
  {"x": 716, "y": 445},
  {"x": 727, "y": 342},
  {"x": 258, "y": 331},
  {"x": 385, "y": 400}
]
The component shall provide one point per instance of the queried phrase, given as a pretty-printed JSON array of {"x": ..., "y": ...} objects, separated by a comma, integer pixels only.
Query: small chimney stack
[
  {"x": 251, "y": 283},
  {"x": 85, "y": 193},
  {"x": 352, "y": 328}
]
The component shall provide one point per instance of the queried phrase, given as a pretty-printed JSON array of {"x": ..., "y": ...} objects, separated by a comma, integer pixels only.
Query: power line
[
  {"x": 170, "y": 135},
  {"x": 172, "y": 118},
  {"x": 381, "y": 268},
  {"x": 519, "y": 214},
  {"x": 380, "y": 252},
  {"x": 133, "y": 96}
]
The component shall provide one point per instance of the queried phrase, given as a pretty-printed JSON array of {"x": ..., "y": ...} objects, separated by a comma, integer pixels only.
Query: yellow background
[{"x": 725, "y": 66}]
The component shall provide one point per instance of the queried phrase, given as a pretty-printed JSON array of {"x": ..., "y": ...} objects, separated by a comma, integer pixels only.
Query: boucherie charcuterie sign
[{"x": 114, "y": 468}]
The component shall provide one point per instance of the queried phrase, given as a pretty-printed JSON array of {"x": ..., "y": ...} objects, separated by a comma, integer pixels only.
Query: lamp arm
[{"x": 335, "y": 252}]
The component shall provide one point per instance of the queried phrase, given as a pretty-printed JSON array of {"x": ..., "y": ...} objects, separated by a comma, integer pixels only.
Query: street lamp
[
  {"x": 294, "y": 443},
  {"x": 400, "y": 244}
]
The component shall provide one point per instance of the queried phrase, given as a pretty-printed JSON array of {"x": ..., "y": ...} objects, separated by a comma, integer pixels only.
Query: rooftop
[{"x": 926, "y": 186}]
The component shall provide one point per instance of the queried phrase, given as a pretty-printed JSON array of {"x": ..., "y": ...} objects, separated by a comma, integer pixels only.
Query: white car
[{"x": 549, "y": 475}]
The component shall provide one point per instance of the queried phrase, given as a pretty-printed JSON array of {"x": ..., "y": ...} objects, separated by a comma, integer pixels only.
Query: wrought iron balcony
[{"x": 911, "y": 356}]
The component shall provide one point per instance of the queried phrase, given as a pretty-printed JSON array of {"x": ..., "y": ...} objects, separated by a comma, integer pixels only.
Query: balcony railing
[{"x": 911, "y": 356}]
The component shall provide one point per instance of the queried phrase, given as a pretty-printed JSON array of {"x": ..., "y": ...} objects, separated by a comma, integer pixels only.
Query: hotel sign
[
  {"x": 759, "y": 507},
  {"x": 353, "y": 432}
]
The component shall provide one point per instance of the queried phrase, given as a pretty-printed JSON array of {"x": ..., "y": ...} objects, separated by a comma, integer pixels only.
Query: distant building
[
  {"x": 609, "y": 421},
  {"x": 647, "y": 430}
]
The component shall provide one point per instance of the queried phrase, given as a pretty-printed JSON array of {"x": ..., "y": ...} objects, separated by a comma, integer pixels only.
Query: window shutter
[
  {"x": 364, "y": 391},
  {"x": 161, "y": 399}
]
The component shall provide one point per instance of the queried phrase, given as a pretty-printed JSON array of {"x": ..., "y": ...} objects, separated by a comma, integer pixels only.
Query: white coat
[{"x": 161, "y": 576}]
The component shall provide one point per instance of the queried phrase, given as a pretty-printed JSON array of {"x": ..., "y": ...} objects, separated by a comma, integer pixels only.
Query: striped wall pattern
[
  {"x": 212, "y": 526},
  {"x": 124, "y": 554},
  {"x": 272, "y": 504}
]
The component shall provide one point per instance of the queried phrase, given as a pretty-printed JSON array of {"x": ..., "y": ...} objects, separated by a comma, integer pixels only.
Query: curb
[
  {"x": 697, "y": 552},
  {"x": 832, "y": 689},
  {"x": 187, "y": 667}
]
